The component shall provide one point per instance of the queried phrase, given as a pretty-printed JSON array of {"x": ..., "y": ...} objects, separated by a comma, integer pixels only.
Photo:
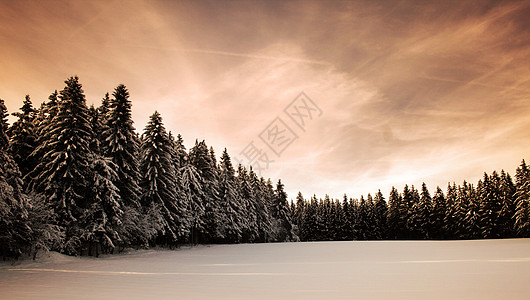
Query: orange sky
[{"x": 409, "y": 92}]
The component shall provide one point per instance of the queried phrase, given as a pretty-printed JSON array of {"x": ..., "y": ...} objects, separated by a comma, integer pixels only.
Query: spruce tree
[
  {"x": 381, "y": 212},
  {"x": 201, "y": 158},
  {"x": 64, "y": 173},
  {"x": 298, "y": 213},
  {"x": 119, "y": 142},
  {"x": 420, "y": 221},
  {"x": 43, "y": 123},
  {"x": 192, "y": 189},
  {"x": 438, "y": 214},
  {"x": 248, "y": 204},
  {"x": 230, "y": 209},
  {"x": 490, "y": 205},
  {"x": 347, "y": 226},
  {"x": 97, "y": 129},
  {"x": 23, "y": 139},
  {"x": 308, "y": 232},
  {"x": 451, "y": 221},
  {"x": 522, "y": 200},
  {"x": 396, "y": 215},
  {"x": 11, "y": 198},
  {"x": 104, "y": 108},
  {"x": 507, "y": 212},
  {"x": 469, "y": 211},
  {"x": 361, "y": 224},
  {"x": 103, "y": 221},
  {"x": 158, "y": 178},
  {"x": 263, "y": 226},
  {"x": 280, "y": 211}
]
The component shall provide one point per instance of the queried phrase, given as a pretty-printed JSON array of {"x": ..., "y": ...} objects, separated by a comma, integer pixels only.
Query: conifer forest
[{"x": 82, "y": 181}]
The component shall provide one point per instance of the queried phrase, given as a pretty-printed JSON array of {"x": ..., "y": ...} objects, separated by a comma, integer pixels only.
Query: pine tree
[
  {"x": 12, "y": 206},
  {"x": 308, "y": 232},
  {"x": 419, "y": 222},
  {"x": 231, "y": 215},
  {"x": 507, "y": 212},
  {"x": 23, "y": 139},
  {"x": 280, "y": 211},
  {"x": 97, "y": 129},
  {"x": 26, "y": 222},
  {"x": 119, "y": 142},
  {"x": 192, "y": 191},
  {"x": 104, "y": 219},
  {"x": 46, "y": 113},
  {"x": 451, "y": 221},
  {"x": 522, "y": 200},
  {"x": 263, "y": 227},
  {"x": 158, "y": 178},
  {"x": 64, "y": 171},
  {"x": 469, "y": 212},
  {"x": 361, "y": 224},
  {"x": 347, "y": 226},
  {"x": 490, "y": 205},
  {"x": 201, "y": 158},
  {"x": 381, "y": 212},
  {"x": 104, "y": 108},
  {"x": 396, "y": 215},
  {"x": 180, "y": 151},
  {"x": 248, "y": 204},
  {"x": 43, "y": 123},
  {"x": 298, "y": 212},
  {"x": 438, "y": 215}
]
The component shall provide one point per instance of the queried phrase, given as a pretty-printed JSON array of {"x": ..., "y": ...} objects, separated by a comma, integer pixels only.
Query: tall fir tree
[
  {"x": 490, "y": 205},
  {"x": 507, "y": 212},
  {"x": 230, "y": 210},
  {"x": 158, "y": 178},
  {"x": 451, "y": 222},
  {"x": 64, "y": 173},
  {"x": 23, "y": 139},
  {"x": 298, "y": 213},
  {"x": 280, "y": 211},
  {"x": 104, "y": 108},
  {"x": 12, "y": 206},
  {"x": 420, "y": 218},
  {"x": 438, "y": 214},
  {"x": 381, "y": 212},
  {"x": 396, "y": 215},
  {"x": 119, "y": 142},
  {"x": 469, "y": 211},
  {"x": 522, "y": 200},
  {"x": 201, "y": 158}
]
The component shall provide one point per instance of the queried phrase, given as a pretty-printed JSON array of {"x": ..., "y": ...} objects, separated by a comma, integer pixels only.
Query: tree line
[
  {"x": 495, "y": 208},
  {"x": 80, "y": 180}
]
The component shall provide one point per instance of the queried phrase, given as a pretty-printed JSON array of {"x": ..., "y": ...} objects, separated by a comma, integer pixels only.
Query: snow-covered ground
[{"x": 493, "y": 269}]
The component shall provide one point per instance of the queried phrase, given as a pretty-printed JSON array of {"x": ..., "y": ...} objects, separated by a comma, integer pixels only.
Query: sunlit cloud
[{"x": 410, "y": 92}]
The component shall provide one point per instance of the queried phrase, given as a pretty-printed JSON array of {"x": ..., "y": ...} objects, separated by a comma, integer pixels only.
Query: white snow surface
[{"x": 486, "y": 269}]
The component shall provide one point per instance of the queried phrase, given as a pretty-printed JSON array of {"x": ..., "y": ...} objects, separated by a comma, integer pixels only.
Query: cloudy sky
[{"x": 410, "y": 91}]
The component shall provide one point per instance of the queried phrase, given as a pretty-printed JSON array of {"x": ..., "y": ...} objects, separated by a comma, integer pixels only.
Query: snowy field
[{"x": 494, "y": 269}]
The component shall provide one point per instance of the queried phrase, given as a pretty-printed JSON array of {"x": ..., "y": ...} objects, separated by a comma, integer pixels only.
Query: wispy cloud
[{"x": 411, "y": 92}]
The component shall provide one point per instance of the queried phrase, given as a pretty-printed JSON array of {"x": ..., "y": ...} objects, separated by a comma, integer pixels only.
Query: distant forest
[{"x": 81, "y": 181}]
